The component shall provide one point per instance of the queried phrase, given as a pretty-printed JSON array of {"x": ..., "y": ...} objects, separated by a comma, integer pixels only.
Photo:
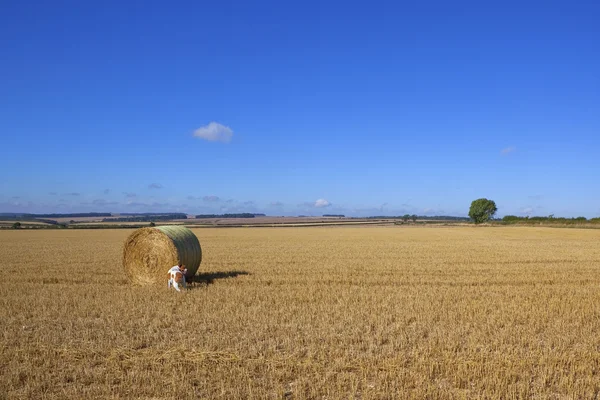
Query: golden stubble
[{"x": 347, "y": 312}]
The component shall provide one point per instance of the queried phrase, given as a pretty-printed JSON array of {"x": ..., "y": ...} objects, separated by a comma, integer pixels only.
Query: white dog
[{"x": 176, "y": 277}]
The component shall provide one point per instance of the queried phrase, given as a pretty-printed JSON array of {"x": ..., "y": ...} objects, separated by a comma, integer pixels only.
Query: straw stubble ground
[{"x": 372, "y": 312}]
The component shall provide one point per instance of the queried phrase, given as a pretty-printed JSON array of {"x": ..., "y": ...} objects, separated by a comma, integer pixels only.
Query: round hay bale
[{"x": 150, "y": 252}]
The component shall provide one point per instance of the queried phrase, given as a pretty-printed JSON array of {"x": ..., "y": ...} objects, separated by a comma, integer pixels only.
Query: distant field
[
  {"x": 10, "y": 222},
  {"x": 78, "y": 219},
  {"x": 271, "y": 220},
  {"x": 346, "y": 312},
  {"x": 109, "y": 223},
  {"x": 23, "y": 223}
]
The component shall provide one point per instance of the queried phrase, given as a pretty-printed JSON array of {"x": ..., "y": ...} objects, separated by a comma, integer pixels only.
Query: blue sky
[{"x": 294, "y": 108}]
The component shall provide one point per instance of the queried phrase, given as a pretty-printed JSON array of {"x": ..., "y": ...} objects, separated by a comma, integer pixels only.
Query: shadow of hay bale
[{"x": 208, "y": 278}]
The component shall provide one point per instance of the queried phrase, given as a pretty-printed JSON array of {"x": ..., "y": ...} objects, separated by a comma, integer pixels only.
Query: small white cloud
[
  {"x": 214, "y": 132},
  {"x": 211, "y": 199},
  {"x": 155, "y": 186},
  {"x": 322, "y": 203},
  {"x": 527, "y": 210},
  {"x": 276, "y": 204},
  {"x": 508, "y": 150},
  {"x": 129, "y": 195}
]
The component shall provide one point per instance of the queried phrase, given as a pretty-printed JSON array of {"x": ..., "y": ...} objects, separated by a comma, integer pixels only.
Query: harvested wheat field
[{"x": 307, "y": 313}]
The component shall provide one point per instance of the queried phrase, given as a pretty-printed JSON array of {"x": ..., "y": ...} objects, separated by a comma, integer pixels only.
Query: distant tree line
[
  {"x": 334, "y": 215},
  {"x": 238, "y": 215},
  {"x": 146, "y": 217},
  {"x": 513, "y": 219},
  {"x": 152, "y": 214},
  {"x": 38, "y": 216}
]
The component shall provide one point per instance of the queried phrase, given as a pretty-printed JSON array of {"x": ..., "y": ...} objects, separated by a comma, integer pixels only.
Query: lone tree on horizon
[{"x": 482, "y": 210}]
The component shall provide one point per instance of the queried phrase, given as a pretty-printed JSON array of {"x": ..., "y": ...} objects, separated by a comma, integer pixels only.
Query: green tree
[
  {"x": 16, "y": 225},
  {"x": 414, "y": 218},
  {"x": 405, "y": 217},
  {"x": 152, "y": 224},
  {"x": 511, "y": 218},
  {"x": 482, "y": 210}
]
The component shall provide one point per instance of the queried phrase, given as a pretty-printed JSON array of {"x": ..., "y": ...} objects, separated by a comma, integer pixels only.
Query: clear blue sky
[{"x": 305, "y": 107}]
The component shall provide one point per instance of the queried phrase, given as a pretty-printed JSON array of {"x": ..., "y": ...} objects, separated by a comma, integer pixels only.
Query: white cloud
[
  {"x": 155, "y": 186},
  {"x": 211, "y": 199},
  {"x": 508, "y": 150},
  {"x": 527, "y": 210},
  {"x": 322, "y": 203},
  {"x": 214, "y": 132}
]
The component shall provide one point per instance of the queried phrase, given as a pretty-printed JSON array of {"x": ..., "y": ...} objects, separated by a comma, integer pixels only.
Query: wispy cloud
[
  {"x": 321, "y": 203},
  {"x": 129, "y": 194},
  {"x": 136, "y": 204},
  {"x": 74, "y": 194},
  {"x": 276, "y": 204},
  {"x": 192, "y": 198},
  {"x": 102, "y": 202},
  {"x": 508, "y": 150},
  {"x": 214, "y": 132},
  {"x": 211, "y": 199},
  {"x": 106, "y": 191},
  {"x": 155, "y": 186},
  {"x": 536, "y": 197},
  {"x": 52, "y": 193}
]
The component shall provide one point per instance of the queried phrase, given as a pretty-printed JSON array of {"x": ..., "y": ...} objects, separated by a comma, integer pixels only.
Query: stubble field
[{"x": 317, "y": 313}]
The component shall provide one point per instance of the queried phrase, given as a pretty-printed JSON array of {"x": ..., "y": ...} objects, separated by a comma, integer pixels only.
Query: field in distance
[{"x": 323, "y": 312}]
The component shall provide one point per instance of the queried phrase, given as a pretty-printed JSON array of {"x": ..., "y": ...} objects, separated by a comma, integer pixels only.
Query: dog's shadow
[{"x": 208, "y": 278}]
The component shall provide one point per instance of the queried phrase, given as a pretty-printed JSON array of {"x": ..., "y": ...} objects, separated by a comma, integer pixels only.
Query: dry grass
[{"x": 369, "y": 312}]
